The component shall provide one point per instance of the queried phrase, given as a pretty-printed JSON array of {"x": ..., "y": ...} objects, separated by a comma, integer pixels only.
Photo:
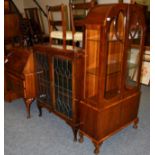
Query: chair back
[
  {"x": 57, "y": 21},
  {"x": 78, "y": 11}
]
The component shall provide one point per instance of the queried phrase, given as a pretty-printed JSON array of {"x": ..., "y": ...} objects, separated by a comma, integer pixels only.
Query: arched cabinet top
[{"x": 102, "y": 14}]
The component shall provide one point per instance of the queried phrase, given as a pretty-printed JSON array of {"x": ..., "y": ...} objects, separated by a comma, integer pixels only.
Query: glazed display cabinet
[{"x": 111, "y": 94}]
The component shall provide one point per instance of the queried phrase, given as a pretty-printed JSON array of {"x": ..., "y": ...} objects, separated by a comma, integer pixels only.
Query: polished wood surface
[
  {"x": 6, "y": 5},
  {"x": 20, "y": 76}
]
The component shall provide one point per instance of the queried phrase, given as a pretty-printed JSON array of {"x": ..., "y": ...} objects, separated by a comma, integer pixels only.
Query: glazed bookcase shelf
[{"x": 56, "y": 82}]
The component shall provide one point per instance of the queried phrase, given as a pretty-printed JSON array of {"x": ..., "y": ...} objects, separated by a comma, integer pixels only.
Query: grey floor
[{"x": 49, "y": 135}]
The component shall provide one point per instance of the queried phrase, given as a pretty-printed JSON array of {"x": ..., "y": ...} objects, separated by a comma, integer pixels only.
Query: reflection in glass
[
  {"x": 92, "y": 65},
  {"x": 63, "y": 86},
  {"x": 133, "y": 59},
  {"x": 115, "y": 52}
]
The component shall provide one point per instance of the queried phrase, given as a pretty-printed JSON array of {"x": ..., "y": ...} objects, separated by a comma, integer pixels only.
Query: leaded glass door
[
  {"x": 43, "y": 78},
  {"x": 62, "y": 86}
]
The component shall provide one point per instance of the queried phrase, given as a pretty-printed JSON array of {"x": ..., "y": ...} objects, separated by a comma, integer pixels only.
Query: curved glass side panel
[
  {"x": 92, "y": 62},
  {"x": 133, "y": 57}
]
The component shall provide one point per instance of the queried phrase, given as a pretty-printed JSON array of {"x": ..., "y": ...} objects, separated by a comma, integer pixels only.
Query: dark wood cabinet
[
  {"x": 111, "y": 96},
  {"x": 58, "y": 81},
  {"x": 20, "y": 76}
]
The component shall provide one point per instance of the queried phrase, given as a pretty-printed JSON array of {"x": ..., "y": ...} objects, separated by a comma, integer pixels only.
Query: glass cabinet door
[
  {"x": 114, "y": 62},
  {"x": 43, "y": 78},
  {"x": 62, "y": 86}
]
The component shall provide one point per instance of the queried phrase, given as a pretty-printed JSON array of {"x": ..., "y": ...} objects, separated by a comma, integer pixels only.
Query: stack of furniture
[{"x": 92, "y": 88}]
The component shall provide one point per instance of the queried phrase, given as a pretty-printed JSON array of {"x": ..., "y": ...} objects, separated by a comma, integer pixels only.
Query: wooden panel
[
  {"x": 11, "y": 26},
  {"x": 30, "y": 86},
  {"x": 130, "y": 109},
  {"x": 109, "y": 120},
  {"x": 6, "y": 5},
  {"x": 18, "y": 61},
  {"x": 88, "y": 118},
  {"x": 13, "y": 87},
  {"x": 91, "y": 83},
  {"x": 29, "y": 67}
]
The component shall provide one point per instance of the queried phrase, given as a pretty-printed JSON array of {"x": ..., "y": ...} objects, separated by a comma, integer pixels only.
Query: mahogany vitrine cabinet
[
  {"x": 58, "y": 81},
  {"x": 111, "y": 96}
]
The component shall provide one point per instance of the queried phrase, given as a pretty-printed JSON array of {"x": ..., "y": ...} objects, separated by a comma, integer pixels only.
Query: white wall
[
  {"x": 43, "y": 3},
  {"x": 29, "y": 4},
  {"x": 107, "y": 1},
  {"x": 126, "y": 1},
  {"x": 20, "y": 5}
]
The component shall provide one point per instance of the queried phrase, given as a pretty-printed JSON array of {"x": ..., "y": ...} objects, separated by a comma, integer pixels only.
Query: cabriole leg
[
  {"x": 81, "y": 137},
  {"x": 135, "y": 124},
  {"x": 28, "y": 103},
  {"x": 75, "y": 130},
  {"x": 97, "y": 148},
  {"x": 40, "y": 110}
]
